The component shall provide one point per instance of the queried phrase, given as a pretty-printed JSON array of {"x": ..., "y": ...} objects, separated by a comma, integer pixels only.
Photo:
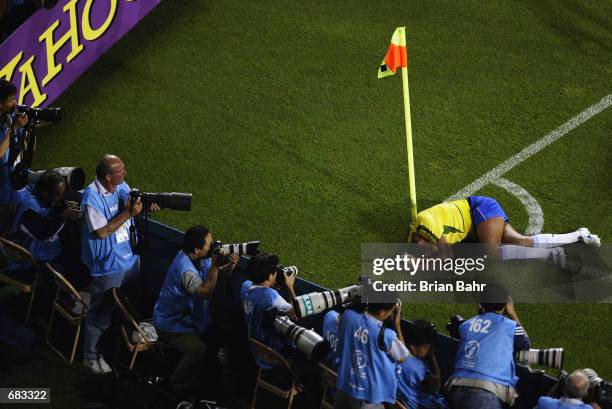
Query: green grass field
[{"x": 271, "y": 114}]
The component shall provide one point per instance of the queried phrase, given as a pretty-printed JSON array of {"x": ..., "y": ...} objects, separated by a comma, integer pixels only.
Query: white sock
[
  {"x": 554, "y": 240},
  {"x": 512, "y": 252}
]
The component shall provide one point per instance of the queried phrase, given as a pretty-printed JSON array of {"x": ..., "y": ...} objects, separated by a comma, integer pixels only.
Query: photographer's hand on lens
[
  {"x": 154, "y": 208},
  {"x": 231, "y": 264},
  {"x": 21, "y": 120},
  {"x": 289, "y": 280},
  {"x": 71, "y": 212},
  {"x": 135, "y": 207}
]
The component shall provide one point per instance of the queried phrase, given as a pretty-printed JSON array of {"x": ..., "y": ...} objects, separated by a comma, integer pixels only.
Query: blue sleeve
[{"x": 521, "y": 340}]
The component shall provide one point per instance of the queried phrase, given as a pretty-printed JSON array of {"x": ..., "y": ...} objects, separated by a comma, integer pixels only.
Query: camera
[
  {"x": 550, "y": 357},
  {"x": 318, "y": 302},
  {"x": 311, "y": 344},
  {"x": 282, "y": 270},
  {"x": 74, "y": 177},
  {"x": 249, "y": 248},
  {"x": 453, "y": 326},
  {"x": 41, "y": 114},
  {"x": 599, "y": 390},
  {"x": 165, "y": 200}
]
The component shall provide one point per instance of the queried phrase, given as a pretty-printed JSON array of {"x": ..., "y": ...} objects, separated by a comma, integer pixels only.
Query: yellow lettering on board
[
  {"x": 89, "y": 33},
  {"x": 9, "y": 69},
  {"x": 53, "y": 47},
  {"x": 29, "y": 83}
]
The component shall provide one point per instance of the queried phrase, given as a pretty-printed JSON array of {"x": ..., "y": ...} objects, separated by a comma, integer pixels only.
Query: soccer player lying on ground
[{"x": 482, "y": 218}]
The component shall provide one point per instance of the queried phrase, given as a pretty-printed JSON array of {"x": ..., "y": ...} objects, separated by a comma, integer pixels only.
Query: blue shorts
[{"x": 484, "y": 208}]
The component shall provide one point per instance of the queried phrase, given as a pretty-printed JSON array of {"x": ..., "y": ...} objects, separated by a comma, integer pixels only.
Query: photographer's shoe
[
  {"x": 185, "y": 405},
  {"x": 93, "y": 365},
  {"x": 104, "y": 367},
  {"x": 587, "y": 238}
]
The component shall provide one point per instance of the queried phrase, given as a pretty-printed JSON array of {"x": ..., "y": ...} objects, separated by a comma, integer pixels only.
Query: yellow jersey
[{"x": 450, "y": 219}]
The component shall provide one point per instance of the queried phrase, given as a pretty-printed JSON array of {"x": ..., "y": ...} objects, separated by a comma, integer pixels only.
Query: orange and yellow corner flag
[{"x": 397, "y": 55}]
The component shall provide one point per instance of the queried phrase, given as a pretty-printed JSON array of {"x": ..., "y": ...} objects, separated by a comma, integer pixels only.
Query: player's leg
[
  {"x": 553, "y": 240},
  {"x": 490, "y": 232},
  {"x": 493, "y": 229},
  {"x": 511, "y": 236}
]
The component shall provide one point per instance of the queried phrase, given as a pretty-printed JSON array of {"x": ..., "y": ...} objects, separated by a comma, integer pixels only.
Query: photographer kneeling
[
  {"x": 41, "y": 215},
  {"x": 180, "y": 315},
  {"x": 419, "y": 375},
  {"x": 575, "y": 388}
]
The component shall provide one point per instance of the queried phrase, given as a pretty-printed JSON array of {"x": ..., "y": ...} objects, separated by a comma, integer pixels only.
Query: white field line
[
  {"x": 536, "y": 215},
  {"x": 532, "y": 149}
]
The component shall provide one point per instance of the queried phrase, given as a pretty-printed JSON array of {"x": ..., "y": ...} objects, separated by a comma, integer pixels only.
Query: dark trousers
[{"x": 185, "y": 376}]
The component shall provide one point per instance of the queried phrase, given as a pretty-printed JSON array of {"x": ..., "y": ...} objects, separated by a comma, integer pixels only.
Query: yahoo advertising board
[{"x": 54, "y": 47}]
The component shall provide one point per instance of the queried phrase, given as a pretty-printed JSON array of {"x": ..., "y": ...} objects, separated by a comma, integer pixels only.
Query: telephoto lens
[
  {"x": 550, "y": 357},
  {"x": 318, "y": 302},
  {"x": 74, "y": 177},
  {"x": 165, "y": 200},
  {"x": 240, "y": 249},
  {"x": 311, "y": 344},
  {"x": 41, "y": 114}
]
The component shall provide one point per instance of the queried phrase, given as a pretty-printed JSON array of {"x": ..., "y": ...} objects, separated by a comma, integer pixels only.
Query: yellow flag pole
[{"x": 409, "y": 155}]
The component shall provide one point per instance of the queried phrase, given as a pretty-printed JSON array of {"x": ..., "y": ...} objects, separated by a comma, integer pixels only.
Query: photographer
[
  {"x": 258, "y": 298},
  {"x": 41, "y": 215},
  {"x": 11, "y": 129},
  {"x": 575, "y": 389},
  {"x": 484, "y": 374},
  {"x": 181, "y": 312},
  {"x": 419, "y": 375},
  {"x": 369, "y": 353},
  {"x": 106, "y": 251},
  {"x": 331, "y": 322}
]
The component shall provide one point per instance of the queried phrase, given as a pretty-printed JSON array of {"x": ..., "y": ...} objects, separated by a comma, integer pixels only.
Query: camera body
[
  {"x": 453, "y": 326},
  {"x": 282, "y": 270},
  {"x": 53, "y": 115}
]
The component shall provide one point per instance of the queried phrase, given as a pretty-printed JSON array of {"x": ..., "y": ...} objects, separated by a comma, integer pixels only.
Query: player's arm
[{"x": 444, "y": 248}]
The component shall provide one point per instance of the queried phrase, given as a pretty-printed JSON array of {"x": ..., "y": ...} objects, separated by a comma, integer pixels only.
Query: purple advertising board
[{"x": 54, "y": 47}]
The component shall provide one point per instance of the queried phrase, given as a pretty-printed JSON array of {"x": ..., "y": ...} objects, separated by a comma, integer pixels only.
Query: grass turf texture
[{"x": 273, "y": 117}]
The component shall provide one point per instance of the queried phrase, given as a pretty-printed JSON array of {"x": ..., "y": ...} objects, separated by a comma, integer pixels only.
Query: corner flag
[{"x": 397, "y": 55}]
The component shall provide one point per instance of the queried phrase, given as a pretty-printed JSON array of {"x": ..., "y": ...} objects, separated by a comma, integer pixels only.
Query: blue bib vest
[
  {"x": 106, "y": 256},
  {"x": 330, "y": 333},
  {"x": 176, "y": 310},
  {"x": 411, "y": 374},
  {"x": 366, "y": 372},
  {"x": 551, "y": 403},
  {"x": 256, "y": 302},
  {"x": 43, "y": 251},
  {"x": 486, "y": 349}
]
